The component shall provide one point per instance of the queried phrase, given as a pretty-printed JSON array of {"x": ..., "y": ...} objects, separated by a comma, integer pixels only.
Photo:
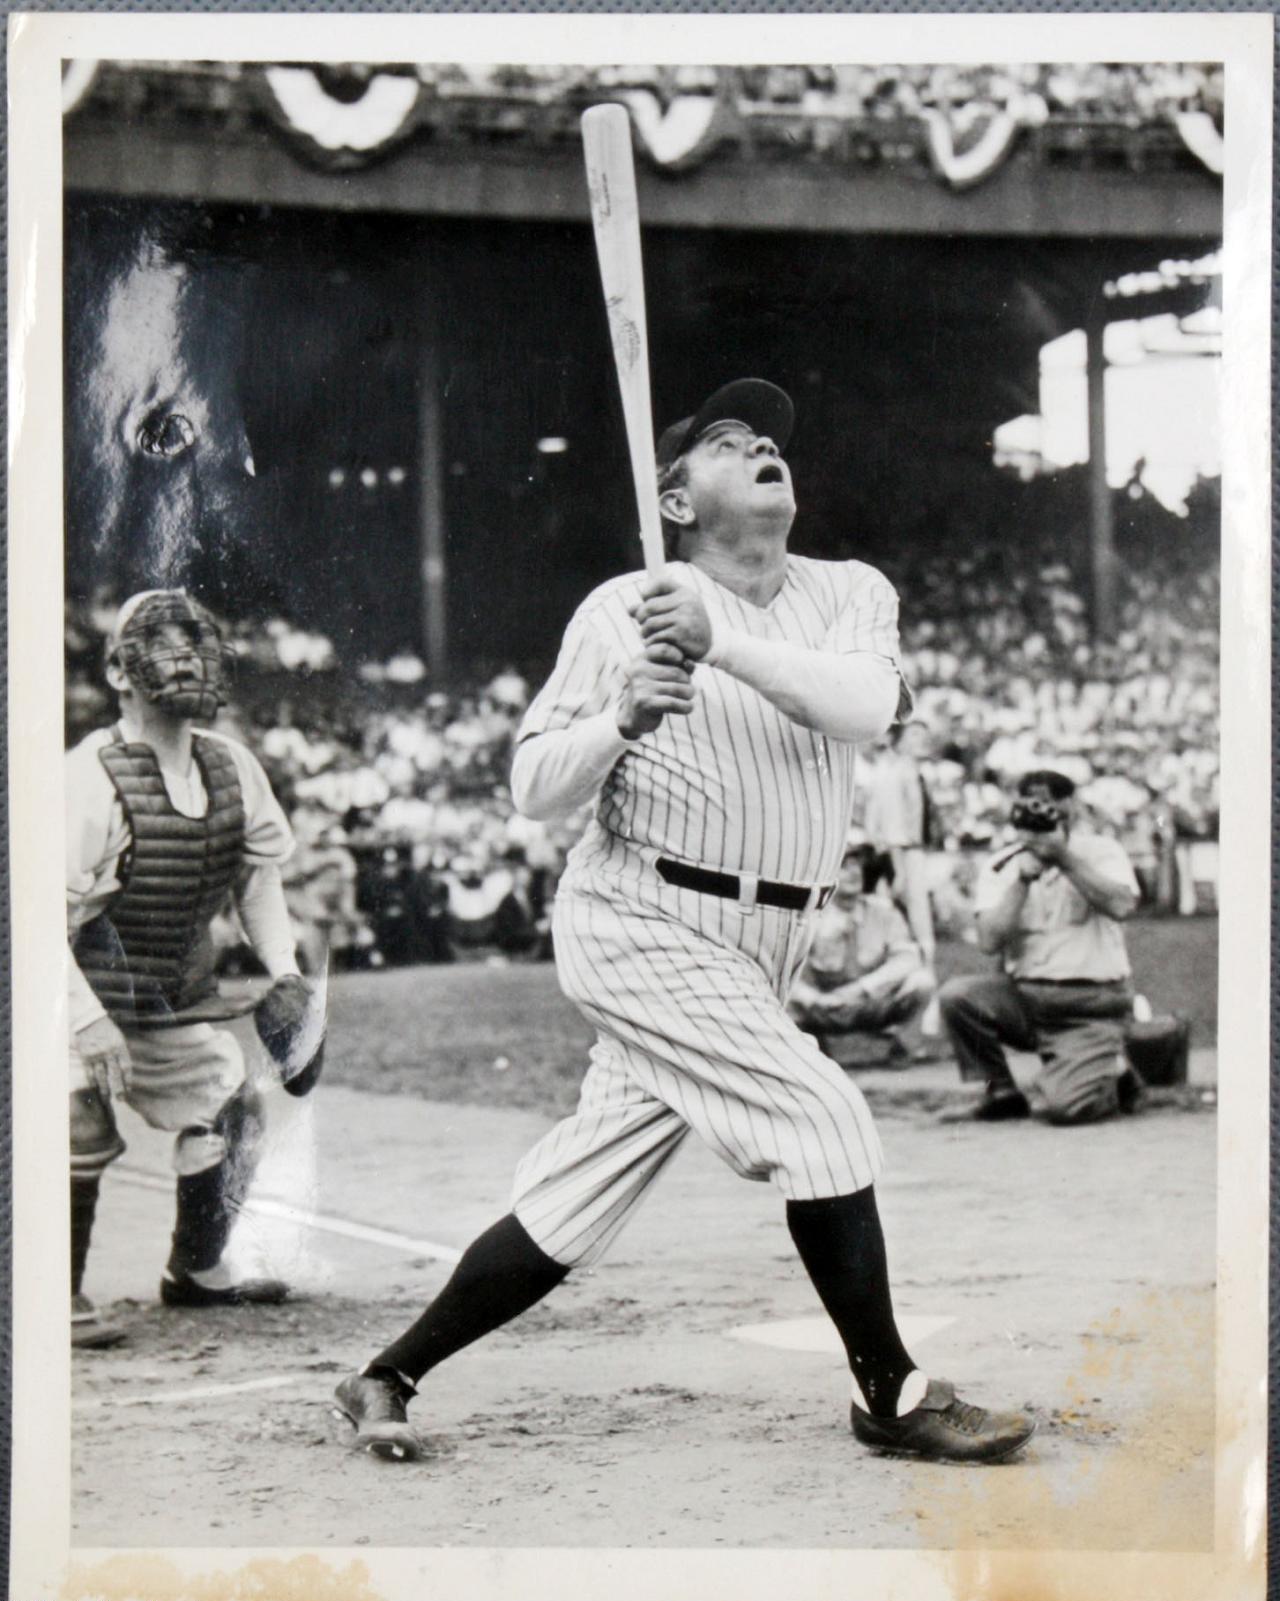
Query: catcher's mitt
[{"x": 290, "y": 1023}]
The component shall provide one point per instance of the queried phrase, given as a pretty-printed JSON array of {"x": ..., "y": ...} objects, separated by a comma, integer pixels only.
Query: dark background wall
[{"x": 310, "y": 343}]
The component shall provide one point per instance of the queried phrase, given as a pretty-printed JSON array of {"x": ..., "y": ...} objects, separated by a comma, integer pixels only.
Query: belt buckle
[{"x": 748, "y": 891}]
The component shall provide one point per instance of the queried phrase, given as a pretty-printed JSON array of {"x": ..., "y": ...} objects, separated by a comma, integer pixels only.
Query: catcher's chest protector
[{"x": 150, "y": 954}]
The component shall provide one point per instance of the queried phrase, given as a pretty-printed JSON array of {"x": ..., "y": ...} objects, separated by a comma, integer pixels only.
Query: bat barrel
[{"x": 615, "y": 218}]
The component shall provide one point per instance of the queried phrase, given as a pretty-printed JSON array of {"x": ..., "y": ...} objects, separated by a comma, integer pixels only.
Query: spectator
[
  {"x": 475, "y": 894},
  {"x": 320, "y": 891},
  {"x": 897, "y": 820},
  {"x": 521, "y": 924},
  {"x": 428, "y": 906},
  {"x": 865, "y": 974}
]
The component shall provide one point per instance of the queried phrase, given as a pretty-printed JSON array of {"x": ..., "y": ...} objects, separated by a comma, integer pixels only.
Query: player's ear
[
  {"x": 116, "y": 675},
  {"x": 675, "y": 506}
]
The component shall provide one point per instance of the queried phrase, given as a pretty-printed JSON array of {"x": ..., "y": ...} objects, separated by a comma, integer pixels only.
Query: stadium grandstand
[{"x": 336, "y": 359}]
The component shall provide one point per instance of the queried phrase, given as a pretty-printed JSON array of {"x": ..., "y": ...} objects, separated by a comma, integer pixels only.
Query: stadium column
[
  {"x": 431, "y": 503},
  {"x": 1101, "y": 532}
]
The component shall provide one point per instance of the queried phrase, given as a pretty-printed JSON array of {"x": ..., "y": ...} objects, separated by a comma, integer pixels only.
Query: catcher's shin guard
[{"x": 209, "y": 1201}]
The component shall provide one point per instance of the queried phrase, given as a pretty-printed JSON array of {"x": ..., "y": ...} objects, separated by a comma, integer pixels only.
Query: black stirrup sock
[
  {"x": 501, "y": 1274},
  {"x": 841, "y": 1244}
]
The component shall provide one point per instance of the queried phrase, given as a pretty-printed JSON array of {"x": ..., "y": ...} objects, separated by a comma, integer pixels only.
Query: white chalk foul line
[
  {"x": 201, "y": 1392},
  {"x": 322, "y": 1222}
]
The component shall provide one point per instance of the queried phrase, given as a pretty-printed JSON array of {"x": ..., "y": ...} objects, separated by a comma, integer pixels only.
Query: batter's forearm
[
  {"x": 556, "y": 772},
  {"x": 850, "y": 696},
  {"x": 265, "y": 915}
]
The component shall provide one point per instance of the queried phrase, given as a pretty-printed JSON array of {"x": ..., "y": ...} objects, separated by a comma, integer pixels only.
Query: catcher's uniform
[
  {"x": 151, "y": 856},
  {"x": 687, "y": 986}
]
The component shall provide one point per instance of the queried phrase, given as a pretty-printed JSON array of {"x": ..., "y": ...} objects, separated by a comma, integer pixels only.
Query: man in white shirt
[
  {"x": 165, "y": 822},
  {"x": 1051, "y": 906}
]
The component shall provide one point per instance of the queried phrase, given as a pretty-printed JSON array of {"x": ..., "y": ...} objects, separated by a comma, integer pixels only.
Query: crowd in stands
[
  {"x": 409, "y": 848},
  {"x": 1129, "y": 93},
  {"x": 1118, "y": 92}
]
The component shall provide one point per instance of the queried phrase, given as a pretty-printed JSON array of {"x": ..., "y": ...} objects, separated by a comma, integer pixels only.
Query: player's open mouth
[{"x": 770, "y": 473}]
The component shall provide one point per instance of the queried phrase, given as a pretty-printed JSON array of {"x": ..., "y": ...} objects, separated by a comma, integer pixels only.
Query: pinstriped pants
[{"x": 687, "y": 994}]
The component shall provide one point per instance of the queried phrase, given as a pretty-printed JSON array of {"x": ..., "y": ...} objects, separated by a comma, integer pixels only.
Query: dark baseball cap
[
  {"x": 1058, "y": 785},
  {"x": 766, "y": 410}
]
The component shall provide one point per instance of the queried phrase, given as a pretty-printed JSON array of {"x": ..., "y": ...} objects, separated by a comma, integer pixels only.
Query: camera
[{"x": 1035, "y": 816}]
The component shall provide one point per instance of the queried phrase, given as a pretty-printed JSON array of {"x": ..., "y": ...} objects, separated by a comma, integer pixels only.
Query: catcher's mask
[{"x": 171, "y": 651}]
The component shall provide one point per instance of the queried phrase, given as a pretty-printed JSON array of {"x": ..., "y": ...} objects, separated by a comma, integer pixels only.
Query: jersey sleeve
[
  {"x": 868, "y": 616},
  {"x": 585, "y": 681},
  {"x": 267, "y": 834},
  {"x": 868, "y": 621},
  {"x": 95, "y": 831}
]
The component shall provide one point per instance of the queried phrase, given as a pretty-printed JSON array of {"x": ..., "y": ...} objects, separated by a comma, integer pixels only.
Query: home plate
[{"x": 819, "y": 1333}]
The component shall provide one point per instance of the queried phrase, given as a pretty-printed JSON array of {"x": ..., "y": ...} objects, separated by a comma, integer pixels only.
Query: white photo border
[{"x": 41, "y": 1560}]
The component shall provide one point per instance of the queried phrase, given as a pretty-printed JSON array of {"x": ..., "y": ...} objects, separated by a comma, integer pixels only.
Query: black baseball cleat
[
  {"x": 375, "y": 1406},
  {"x": 995, "y": 1106},
  {"x": 945, "y": 1429},
  {"x": 180, "y": 1289}
]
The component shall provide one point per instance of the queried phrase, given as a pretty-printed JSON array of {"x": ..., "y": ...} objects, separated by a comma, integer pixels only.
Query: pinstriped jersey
[{"x": 737, "y": 786}]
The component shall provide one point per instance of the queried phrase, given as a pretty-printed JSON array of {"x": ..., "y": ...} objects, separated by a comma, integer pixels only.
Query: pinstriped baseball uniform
[{"x": 687, "y": 989}]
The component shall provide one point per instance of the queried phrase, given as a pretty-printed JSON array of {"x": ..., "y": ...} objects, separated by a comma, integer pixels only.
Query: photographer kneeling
[{"x": 1051, "y": 905}]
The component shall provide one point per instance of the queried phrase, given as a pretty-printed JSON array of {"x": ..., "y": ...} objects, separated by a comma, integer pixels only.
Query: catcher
[{"x": 165, "y": 822}]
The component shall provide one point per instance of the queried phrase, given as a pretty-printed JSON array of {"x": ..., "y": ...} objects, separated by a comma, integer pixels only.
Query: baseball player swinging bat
[{"x": 615, "y": 216}]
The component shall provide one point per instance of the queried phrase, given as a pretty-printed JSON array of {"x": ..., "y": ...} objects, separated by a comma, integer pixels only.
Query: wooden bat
[{"x": 615, "y": 216}]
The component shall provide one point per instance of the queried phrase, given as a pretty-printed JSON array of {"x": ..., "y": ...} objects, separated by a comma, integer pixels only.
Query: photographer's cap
[{"x": 1059, "y": 786}]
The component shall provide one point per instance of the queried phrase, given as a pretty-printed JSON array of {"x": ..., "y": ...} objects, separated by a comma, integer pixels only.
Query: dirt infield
[{"x": 1065, "y": 1270}]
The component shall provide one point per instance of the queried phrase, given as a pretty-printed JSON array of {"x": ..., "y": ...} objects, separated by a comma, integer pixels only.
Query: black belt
[{"x": 789, "y": 897}]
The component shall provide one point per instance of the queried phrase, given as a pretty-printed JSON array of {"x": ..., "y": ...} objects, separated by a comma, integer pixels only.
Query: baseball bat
[{"x": 615, "y": 217}]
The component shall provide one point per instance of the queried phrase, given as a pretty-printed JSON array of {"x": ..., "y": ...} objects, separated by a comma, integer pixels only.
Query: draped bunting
[
  {"x": 367, "y": 124},
  {"x": 77, "y": 80},
  {"x": 996, "y": 131},
  {"x": 970, "y": 118},
  {"x": 681, "y": 135},
  {"x": 1201, "y": 138}
]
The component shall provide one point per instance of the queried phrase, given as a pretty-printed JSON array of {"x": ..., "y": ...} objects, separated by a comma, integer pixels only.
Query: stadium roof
[{"x": 1086, "y": 151}]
